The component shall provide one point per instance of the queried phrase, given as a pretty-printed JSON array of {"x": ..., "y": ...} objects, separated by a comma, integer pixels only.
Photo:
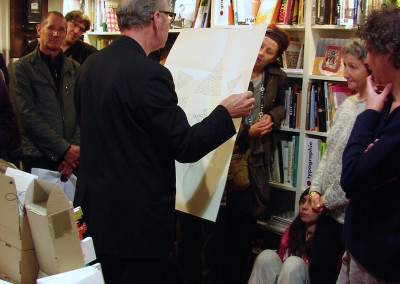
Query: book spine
[
  {"x": 296, "y": 142},
  {"x": 289, "y": 180},
  {"x": 308, "y": 106},
  {"x": 282, "y": 11},
  {"x": 288, "y": 12},
  {"x": 327, "y": 106},
  {"x": 301, "y": 13},
  {"x": 321, "y": 109},
  {"x": 312, "y": 109},
  {"x": 285, "y": 164},
  {"x": 311, "y": 159},
  {"x": 202, "y": 15},
  {"x": 221, "y": 15},
  {"x": 299, "y": 64}
]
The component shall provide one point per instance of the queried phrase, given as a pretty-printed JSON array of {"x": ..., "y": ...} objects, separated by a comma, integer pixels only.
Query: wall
[
  {"x": 5, "y": 29},
  {"x": 55, "y": 5},
  {"x": 19, "y": 36}
]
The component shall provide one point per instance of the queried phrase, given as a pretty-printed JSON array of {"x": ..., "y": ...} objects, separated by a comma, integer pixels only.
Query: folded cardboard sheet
[
  {"x": 18, "y": 262},
  {"x": 53, "y": 227}
]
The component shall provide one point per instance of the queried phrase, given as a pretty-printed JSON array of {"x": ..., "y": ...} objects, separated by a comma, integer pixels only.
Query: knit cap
[{"x": 279, "y": 36}]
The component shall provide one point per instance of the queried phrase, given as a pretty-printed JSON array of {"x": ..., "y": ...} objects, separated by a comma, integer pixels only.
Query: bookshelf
[
  {"x": 309, "y": 33},
  {"x": 284, "y": 197}
]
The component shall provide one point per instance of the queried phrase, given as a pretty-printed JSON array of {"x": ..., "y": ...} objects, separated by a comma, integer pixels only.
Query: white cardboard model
[
  {"x": 18, "y": 262},
  {"x": 53, "y": 226}
]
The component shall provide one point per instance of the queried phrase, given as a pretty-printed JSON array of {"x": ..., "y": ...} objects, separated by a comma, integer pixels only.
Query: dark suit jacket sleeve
[
  {"x": 169, "y": 126},
  {"x": 365, "y": 171},
  {"x": 7, "y": 116}
]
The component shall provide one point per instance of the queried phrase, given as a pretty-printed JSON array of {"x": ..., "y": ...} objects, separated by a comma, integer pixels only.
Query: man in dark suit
[{"x": 132, "y": 131}]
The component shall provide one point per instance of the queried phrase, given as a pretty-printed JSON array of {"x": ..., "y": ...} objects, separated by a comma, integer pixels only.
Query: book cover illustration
[
  {"x": 291, "y": 55},
  {"x": 185, "y": 13},
  {"x": 329, "y": 67},
  {"x": 332, "y": 58},
  {"x": 267, "y": 12}
]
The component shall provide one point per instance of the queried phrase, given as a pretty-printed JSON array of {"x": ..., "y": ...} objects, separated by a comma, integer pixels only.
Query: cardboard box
[
  {"x": 87, "y": 275},
  {"x": 53, "y": 227},
  {"x": 88, "y": 251},
  {"x": 19, "y": 265},
  {"x": 5, "y": 280},
  {"x": 18, "y": 262},
  {"x": 14, "y": 228}
]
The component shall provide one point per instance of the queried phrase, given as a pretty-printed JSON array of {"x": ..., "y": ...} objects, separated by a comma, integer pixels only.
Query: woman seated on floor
[{"x": 290, "y": 263}]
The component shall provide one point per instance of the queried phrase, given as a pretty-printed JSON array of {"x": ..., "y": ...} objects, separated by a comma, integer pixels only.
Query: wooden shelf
[
  {"x": 326, "y": 78},
  {"x": 316, "y": 133},
  {"x": 282, "y": 186},
  {"x": 103, "y": 33},
  {"x": 334, "y": 27}
]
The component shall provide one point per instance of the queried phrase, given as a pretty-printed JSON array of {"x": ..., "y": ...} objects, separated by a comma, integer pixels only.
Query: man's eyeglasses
[
  {"x": 171, "y": 15},
  {"x": 80, "y": 26}
]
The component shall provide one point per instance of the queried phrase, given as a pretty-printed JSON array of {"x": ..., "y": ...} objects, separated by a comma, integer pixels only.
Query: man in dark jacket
[
  {"x": 7, "y": 121},
  {"x": 72, "y": 46},
  {"x": 41, "y": 90},
  {"x": 132, "y": 133}
]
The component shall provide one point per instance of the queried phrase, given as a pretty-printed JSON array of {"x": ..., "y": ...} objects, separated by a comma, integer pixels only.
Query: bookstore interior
[{"x": 318, "y": 31}]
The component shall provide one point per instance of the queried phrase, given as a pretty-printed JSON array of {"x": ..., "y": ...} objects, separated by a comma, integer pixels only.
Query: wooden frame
[{"x": 332, "y": 60}]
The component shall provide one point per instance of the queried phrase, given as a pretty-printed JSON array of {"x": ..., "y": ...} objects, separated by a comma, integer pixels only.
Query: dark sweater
[{"x": 371, "y": 182}]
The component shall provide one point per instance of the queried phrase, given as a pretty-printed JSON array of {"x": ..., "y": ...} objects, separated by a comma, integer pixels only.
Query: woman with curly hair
[
  {"x": 371, "y": 172},
  {"x": 290, "y": 263}
]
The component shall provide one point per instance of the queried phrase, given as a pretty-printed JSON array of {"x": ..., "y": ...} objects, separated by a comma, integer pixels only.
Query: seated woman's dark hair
[{"x": 298, "y": 245}]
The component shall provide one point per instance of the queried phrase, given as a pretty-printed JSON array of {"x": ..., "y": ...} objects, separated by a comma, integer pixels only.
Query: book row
[
  {"x": 284, "y": 161},
  {"x": 343, "y": 12},
  {"x": 323, "y": 100}
]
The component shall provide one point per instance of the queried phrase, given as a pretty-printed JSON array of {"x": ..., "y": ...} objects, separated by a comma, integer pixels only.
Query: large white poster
[{"x": 208, "y": 65}]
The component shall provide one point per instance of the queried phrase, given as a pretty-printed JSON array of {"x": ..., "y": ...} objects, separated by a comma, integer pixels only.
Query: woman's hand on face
[
  {"x": 375, "y": 99},
  {"x": 317, "y": 202}
]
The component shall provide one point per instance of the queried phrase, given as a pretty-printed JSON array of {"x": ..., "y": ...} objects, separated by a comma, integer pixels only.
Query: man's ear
[
  {"x": 38, "y": 29},
  {"x": 157, "y": 20}
]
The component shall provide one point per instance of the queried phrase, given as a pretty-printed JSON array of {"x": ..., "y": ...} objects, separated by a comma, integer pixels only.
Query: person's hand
[
  {"x": 65, "y": 169},
  {"x": 375, "y": 99},
  {"x": 239, "y": 105},
  {"x": 317, "y": 202},
  {"x": 371, "y": 145},
  {"x": 270, "y": 124},
  {"x": 262, "y": 127},
  {"x": 72, "y": 156}
]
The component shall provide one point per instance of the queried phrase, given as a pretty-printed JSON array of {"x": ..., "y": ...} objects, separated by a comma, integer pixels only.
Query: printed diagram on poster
[{"x": 205, "y": 74}]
